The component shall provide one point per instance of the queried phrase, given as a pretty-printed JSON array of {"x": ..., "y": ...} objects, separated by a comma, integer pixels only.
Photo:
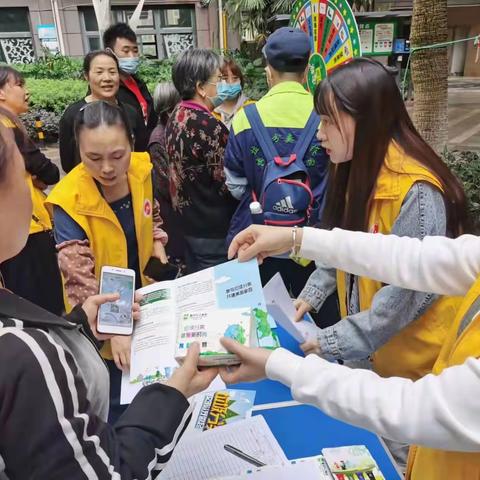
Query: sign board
[
  {"x": 47, "y": 34},
  {"x": 377, "y": 38},
  {"x": 383, "y": 38},
  {"x": 366, "y": 38}
]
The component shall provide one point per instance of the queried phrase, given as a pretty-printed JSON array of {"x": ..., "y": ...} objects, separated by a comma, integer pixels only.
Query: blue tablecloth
[{"x": 303, "y": 431}]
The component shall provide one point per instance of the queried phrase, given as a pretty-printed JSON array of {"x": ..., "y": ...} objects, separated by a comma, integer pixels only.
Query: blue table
[{"x": 303, "y": 430}]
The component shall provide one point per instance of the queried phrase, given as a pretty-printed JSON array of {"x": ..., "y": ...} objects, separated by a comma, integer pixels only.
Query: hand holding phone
[
  {"x": 159, "y": 271},
  {"x": 116, "y": 318}
]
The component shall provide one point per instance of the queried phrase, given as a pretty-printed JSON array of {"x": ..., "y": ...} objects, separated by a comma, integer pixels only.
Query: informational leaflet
[
  {"x": 229, "y": 286},
  {"x": 280, "y": 307},
  {"x": 219, "y": 408}
]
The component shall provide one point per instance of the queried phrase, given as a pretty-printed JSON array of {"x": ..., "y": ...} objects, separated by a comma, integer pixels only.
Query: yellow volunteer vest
[
  {"x": 41, "y": 219},
  {"x": 79, "y": 196},
  {"x": 430, "y": 464},
  {"x": 413, "y": 351}
]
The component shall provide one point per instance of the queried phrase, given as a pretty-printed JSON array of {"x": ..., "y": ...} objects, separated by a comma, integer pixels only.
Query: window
[
  {"x": 16, "y": 43},
  {"x": 89, "y": 28},
  {"x": 14, "y": 20},
  {"x": 162, "y": 32}
]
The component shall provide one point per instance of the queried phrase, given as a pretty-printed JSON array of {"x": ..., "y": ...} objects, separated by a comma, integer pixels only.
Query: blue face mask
[
  {"x": 216, "y": 101},
  {"x": 229, "y": 91},
  {"x": 129, "y": 65}
]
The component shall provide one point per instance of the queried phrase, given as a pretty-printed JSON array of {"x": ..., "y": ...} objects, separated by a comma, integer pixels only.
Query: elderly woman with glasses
[{"x": 196, "y": 142}]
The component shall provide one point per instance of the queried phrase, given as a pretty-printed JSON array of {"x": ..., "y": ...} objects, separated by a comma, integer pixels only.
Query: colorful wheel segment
[{"x": 333, "y": 33}]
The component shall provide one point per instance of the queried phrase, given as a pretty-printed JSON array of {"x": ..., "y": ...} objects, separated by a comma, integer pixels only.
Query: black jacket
[
  {"x": 47, "y": 429},
  {"x": 125, "y": 95},
  {"x": 66, "y": 137}
]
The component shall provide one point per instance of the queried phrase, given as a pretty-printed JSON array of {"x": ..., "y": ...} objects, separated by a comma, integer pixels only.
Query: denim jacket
[{"x": 360, "y": 334}]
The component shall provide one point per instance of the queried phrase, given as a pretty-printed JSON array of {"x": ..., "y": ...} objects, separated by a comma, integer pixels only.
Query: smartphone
[
  {"x": 116, "y": 317},
  {"x": 160, "y": 271}
]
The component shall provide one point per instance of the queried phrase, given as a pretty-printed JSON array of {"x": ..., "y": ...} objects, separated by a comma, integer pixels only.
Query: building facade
[{"x": 166, "y": 28}]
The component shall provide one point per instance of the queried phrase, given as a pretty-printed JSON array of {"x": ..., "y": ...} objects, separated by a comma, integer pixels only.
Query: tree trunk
[{"x": 430, "y": 71}]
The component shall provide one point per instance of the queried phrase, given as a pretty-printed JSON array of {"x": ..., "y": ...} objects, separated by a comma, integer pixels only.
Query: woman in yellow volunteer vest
[
  {"x": 32, "y": 274},
  {"x": 104, "y": 215},
  {"x": 440, "y": 413},
  {"x": 384, "y": 178}
]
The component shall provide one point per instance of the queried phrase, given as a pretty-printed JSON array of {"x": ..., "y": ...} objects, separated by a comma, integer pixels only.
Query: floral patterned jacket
[{"x": 196, "y": 142}]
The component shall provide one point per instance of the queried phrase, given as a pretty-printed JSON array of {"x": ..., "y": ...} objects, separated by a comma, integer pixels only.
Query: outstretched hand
[
  {"x": 252, "y": 366},
  {"x": 262, "y": 241},
  {"x": 189, "y": 379}
]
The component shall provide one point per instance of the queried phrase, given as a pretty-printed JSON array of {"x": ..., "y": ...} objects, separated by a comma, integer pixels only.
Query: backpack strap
[
  {"x": 263, "y": 138},
  {"x": 308, "y": 133},
  {"x": 261, "y": 134}
]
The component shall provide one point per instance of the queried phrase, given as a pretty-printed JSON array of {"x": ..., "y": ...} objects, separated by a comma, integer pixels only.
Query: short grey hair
[
  {"x": 195, "y": 65},
  {"x": 165, "y": 97}
]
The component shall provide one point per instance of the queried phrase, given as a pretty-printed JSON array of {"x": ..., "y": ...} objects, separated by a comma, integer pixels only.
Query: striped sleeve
[{"x": 48, "y": 431}]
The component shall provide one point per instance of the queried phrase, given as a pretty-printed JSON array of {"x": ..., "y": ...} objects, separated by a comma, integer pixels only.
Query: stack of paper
[
  {"x": 207, "y": 328},
  {"x": 207, "y": 459},
  {"x": 313, "y": 468}
]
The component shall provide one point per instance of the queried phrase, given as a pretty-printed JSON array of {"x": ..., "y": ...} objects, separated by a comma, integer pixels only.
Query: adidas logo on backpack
[{"x": 285, "y": 206}]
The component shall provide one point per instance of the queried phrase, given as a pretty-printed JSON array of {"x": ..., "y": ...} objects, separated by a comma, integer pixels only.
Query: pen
[{"x": 238, "y": 453}]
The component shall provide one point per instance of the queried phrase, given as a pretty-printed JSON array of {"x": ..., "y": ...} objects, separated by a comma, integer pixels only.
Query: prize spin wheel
[{"x": 333, "y": 33}]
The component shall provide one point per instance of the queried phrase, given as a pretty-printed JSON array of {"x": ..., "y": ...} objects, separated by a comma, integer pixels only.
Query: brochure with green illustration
[
  {"x": 207, "y": 328},
  {"x": 229, "y": 294},
  {"x": 353, "y": 461}
]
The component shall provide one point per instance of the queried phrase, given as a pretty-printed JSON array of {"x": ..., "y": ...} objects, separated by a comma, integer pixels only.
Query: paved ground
[
  {"x": 464, "y": 114},
  {"x": 463, "y": 122}
]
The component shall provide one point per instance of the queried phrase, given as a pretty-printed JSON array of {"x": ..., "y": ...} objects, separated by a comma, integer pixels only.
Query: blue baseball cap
[{"x": 287, "y": 50}]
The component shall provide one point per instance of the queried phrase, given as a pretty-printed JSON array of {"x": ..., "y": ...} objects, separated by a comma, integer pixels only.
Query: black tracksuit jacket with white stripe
[{"x": 47, "y": 429}]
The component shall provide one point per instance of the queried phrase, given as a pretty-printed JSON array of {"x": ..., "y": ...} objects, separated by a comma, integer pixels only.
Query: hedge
[
  {"x": 466, "y": 165},
  {"x": 54, "y": 95}
]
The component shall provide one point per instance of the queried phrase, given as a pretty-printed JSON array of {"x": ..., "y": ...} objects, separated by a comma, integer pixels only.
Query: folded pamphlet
[{"x": 207, "y": 328}]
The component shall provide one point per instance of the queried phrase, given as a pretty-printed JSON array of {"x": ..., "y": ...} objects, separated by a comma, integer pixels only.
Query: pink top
[{"x": 194, "y": 106}]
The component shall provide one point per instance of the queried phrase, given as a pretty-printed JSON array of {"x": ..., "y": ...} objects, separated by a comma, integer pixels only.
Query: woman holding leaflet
[
  {"x": 104, "y": 214},
  {"x": 439, "y": 412}
]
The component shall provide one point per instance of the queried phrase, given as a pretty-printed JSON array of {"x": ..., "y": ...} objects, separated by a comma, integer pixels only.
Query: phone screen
[{"x": 119, "y": 313}]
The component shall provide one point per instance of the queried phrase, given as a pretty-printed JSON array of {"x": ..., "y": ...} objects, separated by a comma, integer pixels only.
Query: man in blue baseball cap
[{"x": 285, "y": 118}]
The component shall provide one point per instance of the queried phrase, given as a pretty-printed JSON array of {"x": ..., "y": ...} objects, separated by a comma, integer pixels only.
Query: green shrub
[
  {"x": 255, "y": 78},
  {"x": 55, "y": 67},
  {"x": 55, "y": 95},
  {"x": 155, "y": 71},
  {"x": 466, "y": 165}
]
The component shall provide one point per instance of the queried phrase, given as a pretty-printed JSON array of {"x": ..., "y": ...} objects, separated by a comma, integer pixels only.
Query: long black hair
[{"x": 366, "y": 90}]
